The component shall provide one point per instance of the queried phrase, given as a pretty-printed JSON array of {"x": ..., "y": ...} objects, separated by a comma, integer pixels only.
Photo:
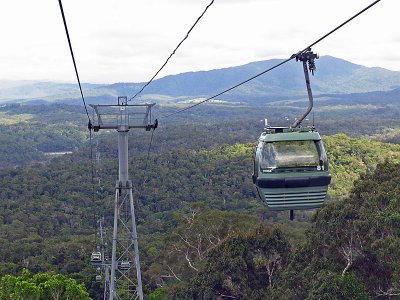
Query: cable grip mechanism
[{"x": 307, "y": 56}]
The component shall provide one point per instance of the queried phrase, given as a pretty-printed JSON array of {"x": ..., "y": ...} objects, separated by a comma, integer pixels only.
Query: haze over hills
[{"x": 334, "y": 76}]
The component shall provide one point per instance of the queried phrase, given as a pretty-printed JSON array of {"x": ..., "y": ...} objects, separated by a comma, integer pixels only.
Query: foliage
[
  {"x": 349, "y": 158},
  {"x": 158, "y": 294},
  {"x": 57, "y": 235},
  {"x": 194, "y": 197},
  {"x": 357, "y": 239},
  {"x": 328, "y": 285},
  {"x": 187, "y": 247},
  {"x": 27, "y": 132},
  {"x": 242, "y": 266},
  {"x": 41, "y": 286}
]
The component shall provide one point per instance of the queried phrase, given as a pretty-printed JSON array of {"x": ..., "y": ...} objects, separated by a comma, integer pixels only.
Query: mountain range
[{"x": 335, "y": 77}]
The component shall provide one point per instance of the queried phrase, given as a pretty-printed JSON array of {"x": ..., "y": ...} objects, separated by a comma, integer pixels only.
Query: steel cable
[
  {"x": 173, "y": 52},
  {"x": 277, "y": 65}
]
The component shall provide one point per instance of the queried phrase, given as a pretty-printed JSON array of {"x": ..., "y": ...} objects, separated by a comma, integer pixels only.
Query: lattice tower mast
[{"x": 124, "y": 279}]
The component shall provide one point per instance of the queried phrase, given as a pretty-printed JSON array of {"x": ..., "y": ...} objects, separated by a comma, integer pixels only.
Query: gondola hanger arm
[{"x": 307, "y": 57}]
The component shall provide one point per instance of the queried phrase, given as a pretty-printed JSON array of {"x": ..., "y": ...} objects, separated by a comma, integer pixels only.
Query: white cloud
[{"x": 128, "y": 40}]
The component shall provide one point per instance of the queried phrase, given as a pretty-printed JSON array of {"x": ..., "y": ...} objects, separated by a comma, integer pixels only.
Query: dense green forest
[
  {"x": 351, "y": 251},
  {"x": 41, "y": 286},
  {"x": 197, "y": 184}
]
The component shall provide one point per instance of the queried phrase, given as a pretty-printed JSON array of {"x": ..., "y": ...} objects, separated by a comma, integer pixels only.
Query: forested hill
[
  {"x": 333, "y": 76},
  {"x": 48, "y": 214},
  {"x": 351, "y": 251}
]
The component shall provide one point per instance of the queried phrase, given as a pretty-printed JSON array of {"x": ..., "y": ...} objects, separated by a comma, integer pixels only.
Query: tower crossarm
[{"x": 123, "y": 117}]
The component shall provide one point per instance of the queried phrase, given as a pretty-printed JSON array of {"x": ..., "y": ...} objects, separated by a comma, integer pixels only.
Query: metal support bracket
[{"x": 306, "y": 57}]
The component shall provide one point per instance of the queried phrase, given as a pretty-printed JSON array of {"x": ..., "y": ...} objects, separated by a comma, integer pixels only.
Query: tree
[
  {"x": 41, "y": 287},
  {"x": 200, "y": 231},
  {"x": 243, "y": 266},
  {"x": 354, "y": 244}
]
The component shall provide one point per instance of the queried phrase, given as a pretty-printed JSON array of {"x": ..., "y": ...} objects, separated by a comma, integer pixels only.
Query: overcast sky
[{"x": 129, "y": 40}]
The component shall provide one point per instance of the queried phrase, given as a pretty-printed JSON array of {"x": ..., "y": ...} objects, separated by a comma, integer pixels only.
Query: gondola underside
[{"x": 293, "y": 193}]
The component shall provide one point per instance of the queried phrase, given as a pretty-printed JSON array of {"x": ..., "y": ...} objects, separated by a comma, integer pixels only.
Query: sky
[{"x": 129, "y": 40}]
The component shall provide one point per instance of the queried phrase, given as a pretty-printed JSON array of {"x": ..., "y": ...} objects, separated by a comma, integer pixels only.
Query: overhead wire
[
  {"x": 275, "y": 66},
  {"x": 73, "y": 60},
  {"x": 166, "y": 62},
  {"x": 93, "y": 185},
  {"x": 84, "y": 104},
  {"x": 156, "y": 74},
  {"x": 149, "y": 149},
  {"x": 257, "y": 75},
  {"x": 341, "y": 25},
  {"x": 143, "y": 181},
  {"x": 174, "y": 51},
  {"x": 229, "y": 89}
]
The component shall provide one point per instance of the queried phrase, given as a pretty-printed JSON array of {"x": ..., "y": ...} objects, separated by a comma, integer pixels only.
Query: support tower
[{"x": 123, "y": 276}]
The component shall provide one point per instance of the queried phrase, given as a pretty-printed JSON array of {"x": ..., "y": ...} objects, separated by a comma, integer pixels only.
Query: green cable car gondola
[
  {"x": 96, "y": 258},
  {"x": 290, "y": 163},
  {"x": 291, "y": 169}
]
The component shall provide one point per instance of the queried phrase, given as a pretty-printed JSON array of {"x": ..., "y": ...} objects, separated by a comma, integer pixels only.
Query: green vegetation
[
  {"x": 41, "y": 286},
  {"x": 350, "y": 252},
  {"x": 6, "y": 119},
  {"x": 352, "y": 249},
  {"x": 334, "y": 76},
  {"x": 349, "y": 158},
  {"x": 242, "y": 266},
  {"x": 27, "y": 132},
  {"x": 200, "y": 225}
]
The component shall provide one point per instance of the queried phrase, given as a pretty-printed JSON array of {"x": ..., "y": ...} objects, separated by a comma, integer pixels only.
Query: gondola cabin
[
  {"x": 291, "y": 168},
  {"x": 96, "y": 258},
  {"x": 125, "y": 265}
]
